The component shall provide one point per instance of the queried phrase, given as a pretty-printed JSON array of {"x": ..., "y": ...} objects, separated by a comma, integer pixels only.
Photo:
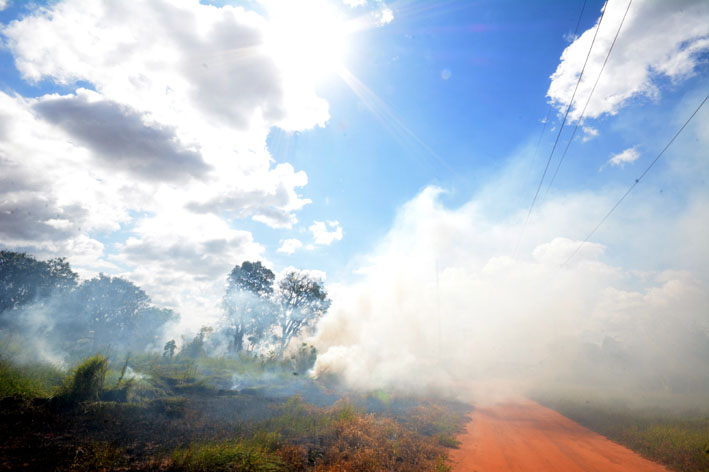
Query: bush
[{"x": 86, "y": 381}]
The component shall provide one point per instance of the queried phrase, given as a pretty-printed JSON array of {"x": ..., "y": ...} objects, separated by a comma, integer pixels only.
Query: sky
[{"x": 372, "y": 142}]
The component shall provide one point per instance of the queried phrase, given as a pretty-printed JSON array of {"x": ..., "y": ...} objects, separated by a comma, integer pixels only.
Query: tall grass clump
[{"x": 86, "y": 381}]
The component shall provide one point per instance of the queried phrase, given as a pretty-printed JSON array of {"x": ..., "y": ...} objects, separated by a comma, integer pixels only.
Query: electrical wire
[
  {"x": 561, "y": 128},
  {"x": 588, "y": 100},
  {"x": 637, "y": 181}
]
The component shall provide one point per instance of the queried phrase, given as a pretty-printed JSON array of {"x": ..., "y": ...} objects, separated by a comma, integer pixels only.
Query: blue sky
[{"x": 168, "y": 154}]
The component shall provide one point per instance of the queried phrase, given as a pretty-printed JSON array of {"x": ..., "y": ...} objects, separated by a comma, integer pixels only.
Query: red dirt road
[{"x": 525, "y": 436}]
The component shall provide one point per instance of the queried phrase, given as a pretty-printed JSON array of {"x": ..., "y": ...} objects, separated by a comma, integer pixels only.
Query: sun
[{"x": 307, "y": 38}]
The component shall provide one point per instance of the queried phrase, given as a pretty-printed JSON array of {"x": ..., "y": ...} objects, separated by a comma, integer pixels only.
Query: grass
[
  {"x": 674, "y": 438},
  {"x": 33, "y": 380},
  {"x": 233, "y": 455}
]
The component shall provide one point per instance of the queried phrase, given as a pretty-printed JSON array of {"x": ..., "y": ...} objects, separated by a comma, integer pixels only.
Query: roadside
[{"x": 525, "y": 436}]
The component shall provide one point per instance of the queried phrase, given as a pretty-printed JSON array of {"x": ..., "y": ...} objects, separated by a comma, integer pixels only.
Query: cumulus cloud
[
  {"x": 51, "y": 196},
  {"x": 289, "y": 246},
  {"x": 628, "y": 156},
  {"x": 324, "y": 237},
  {"x": 269, "y": 197},
  {"x": 182, "y": 260},
  {"x": 658, "y": 41},
  {"x": 4, "y": 4},
  {"x": 120, "y": 138},
  {"x": 183, "y": 62},
  {"x": 167, "y": 152}
]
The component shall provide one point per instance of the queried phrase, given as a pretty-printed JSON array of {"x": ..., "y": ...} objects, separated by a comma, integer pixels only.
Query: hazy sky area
[{"x": 393, "y": 147}]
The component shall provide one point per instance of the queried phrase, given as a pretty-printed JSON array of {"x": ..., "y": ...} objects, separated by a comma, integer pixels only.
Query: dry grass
[{"x": 679, "y": 440}]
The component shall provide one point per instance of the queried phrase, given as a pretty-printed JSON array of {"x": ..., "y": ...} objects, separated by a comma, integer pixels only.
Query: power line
[
  {"x": 583, "y": 112},
  {"x": 556, "y": 141},
  {"x": 546, "y": 118},
  {"x": 637, "y": 181}
]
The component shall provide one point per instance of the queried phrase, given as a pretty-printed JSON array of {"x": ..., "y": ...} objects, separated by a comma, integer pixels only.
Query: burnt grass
[{"x": 192, "y": 426}]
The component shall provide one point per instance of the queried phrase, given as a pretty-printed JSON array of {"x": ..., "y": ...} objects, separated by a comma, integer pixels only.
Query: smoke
[
  {"x": 443, "y": 301},
  {"x": 30, "y": 335},
  {"x": 67, "y": 325}
]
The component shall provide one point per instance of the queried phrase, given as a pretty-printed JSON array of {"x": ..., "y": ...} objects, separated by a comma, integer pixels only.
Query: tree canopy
[
  {"x": 248, "y": 305},
  {"x": 24, "y": 279},
  {"x": 266, "y": 316},
  {"x": 302, "y": 300},
  {"x": 44, "y": 298}
]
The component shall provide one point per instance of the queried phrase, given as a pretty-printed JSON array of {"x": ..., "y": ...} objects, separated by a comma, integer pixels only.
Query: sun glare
[{"x": 307, "y": 38}]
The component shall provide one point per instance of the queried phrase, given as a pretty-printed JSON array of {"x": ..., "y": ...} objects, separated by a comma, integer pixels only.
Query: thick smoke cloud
[{"x": 443, "y": 302}]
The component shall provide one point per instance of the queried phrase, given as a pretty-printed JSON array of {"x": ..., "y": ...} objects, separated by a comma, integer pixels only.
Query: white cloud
[
  {"x": 386, "y": 16},
  {"x": 628, "y": 156},
  {"x": 289, "y": 246},
  {"x": 589, "y": 133},
  {"x": 167, "y": 152},
  {"x": 182, "y": 259},
  {"x": 120, "y": 138},
  {"x": 4, "y": 4},
  {"x": 659, "y": 40},
  {"x": 354, "y": 3},
  {"x": 183, "y": 62},
  {"x": 324, "y": 237}
]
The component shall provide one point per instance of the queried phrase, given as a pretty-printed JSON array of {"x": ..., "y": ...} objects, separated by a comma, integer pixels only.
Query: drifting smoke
[
  {"x": 64, "y": 323},
  {"x": 33, "y": 335},
  {"x": 443, "y": 301}
]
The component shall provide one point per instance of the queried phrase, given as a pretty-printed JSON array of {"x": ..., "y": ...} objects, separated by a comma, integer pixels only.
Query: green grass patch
[
  {"x": 33, "y": 380},
  {"x": 226, "y": 456}
]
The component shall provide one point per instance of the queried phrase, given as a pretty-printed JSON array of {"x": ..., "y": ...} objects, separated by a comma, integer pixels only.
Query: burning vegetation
[{"x": 88, "y": 382}]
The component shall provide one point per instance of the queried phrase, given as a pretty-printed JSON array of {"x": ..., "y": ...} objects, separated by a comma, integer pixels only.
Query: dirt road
[{"x": 525, "y": 436}]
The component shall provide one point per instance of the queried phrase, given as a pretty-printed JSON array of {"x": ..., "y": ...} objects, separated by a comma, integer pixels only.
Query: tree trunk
[{"x": 237, "y": 344}]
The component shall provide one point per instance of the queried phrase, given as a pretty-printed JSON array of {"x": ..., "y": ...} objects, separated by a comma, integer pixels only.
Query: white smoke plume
[{"x": 443, "y": 300}]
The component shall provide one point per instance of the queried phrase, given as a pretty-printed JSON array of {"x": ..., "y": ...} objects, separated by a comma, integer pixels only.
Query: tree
[
  {"x": 247, "y": 303},
  {"x": 119, "y": 313},
  {"x": 195, "y": 348},
  {"x": 302, "y": 300},
  {"x": 169, "y": 349},
  {"x": 24, "y": 279}
]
